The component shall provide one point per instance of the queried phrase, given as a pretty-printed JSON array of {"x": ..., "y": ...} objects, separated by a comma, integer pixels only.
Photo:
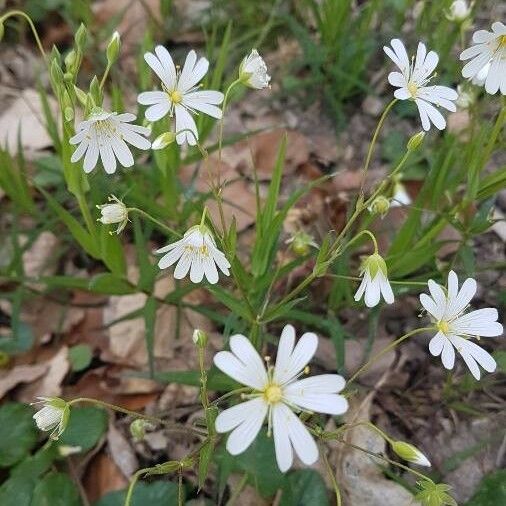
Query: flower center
[
  {"x": 273, "y": 393},
  {"x": 444, "y": 327},
  {"x": 412, "y": 88},
  {"x": 175, "y": 96},
  {"x": 502, "y": 41}
]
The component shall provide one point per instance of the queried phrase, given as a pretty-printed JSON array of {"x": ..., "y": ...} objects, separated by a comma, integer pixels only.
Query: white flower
[
  {"x": 106, "y": 134},
  {"x": 412, "y": 83},
  {"x": 374, "y": 281},
  {"x": 277, "y": 393},
  {"x": 410, "y": 453},
  {"x": 195, "y": 252},
  {"x": 181, "y": 94},
  {"x": 253, "y": 71},
  {"x": 480, "y": 78},
  {"x": 489, "y": 47},
  {"x": 401, "y": 196},
  {"x": 460, "y": 10},
  {"x": 455, "y": 327},
  {"x": 53, "y": 416},
  {"x": 113, "y": 213}
]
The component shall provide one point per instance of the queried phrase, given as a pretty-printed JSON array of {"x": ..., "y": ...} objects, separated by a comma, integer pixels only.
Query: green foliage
[
  {"x": 18, "y": 434},
  {"x": 56, "y": 489},
  {"x": 80, "y": 357},
  {"x": 491, "y": 491},
  {"x": 85, "y": 428},
  {"x": 145, "y": 494},
  {"x": 304, "y": 487}
]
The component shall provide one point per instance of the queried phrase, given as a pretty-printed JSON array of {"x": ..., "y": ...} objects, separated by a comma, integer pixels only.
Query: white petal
[
  {"x": 402, "y": 94},
  {"x": 152, "y": 97},
  {"x": 210, "y": 271},
  {"x": 361, "y": 289},
  {"x": 285, "y": 348},
  {"x": 197, "y": 268},
  {"x": 472, "y": 51},
  {"x": 386, "y": 290},
  {"x": 493, "y": 80},
  {"x": 397, "y": 79},
  {"x": 301, "y": 355},
  {"x": 302, "y": 441},
  {"x": 430, "y": 306},
  {"x": 457, "y": 303},
  {"x": 107, "y": 157},
  {"x": 184, "y": 121},
  {"x": 91, "y": 157},
  {"x": 468, "y": 348},
  {"x": 243, "y": 349},
  {"x": 482, "y": 322},
  {"x": 472, "y": 67},
  {"x": 436, "y": 344},
  {"x": 160, "y": 70},
  {"x": 201, "y": 105},
  {"x": 331, "y": 404},
  {"x": 192, "y": 73},
  {"x": 171, "y": 257},
  {"x": 183, "y": 266},
  {"x": 448, "y": 354},
  {"x": 437, "y": 293},
  {"x": 122, "y": 152},
  {"x": 321, "y": 384},
  {"x": 424, "y": 117},
  {"x": 130, "y": 135},
  {"x": 373, "y": 292},
  {"x": 234, "y": 416},
  {"x": 80, "y": 136},
  {"x": 282, "y": 445},
  {"x": 168, "y": 66},
  {"x": 220, "y": 259},
  {"x": 157, "y": 111},
  {"x": 434, "y": 115},
  {"x": 80, "y": 150},
  {"x": 242, "y": 436}
]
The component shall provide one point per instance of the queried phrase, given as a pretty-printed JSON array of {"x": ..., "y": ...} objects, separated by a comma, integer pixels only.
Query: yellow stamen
[
  {"x": 502, "y": 41},
  {"x": 273, "y": 393},
  {"x": 412, "y": 88},
  {"x": 175, "y": 96},
  {"x": 443, "y": 327}
]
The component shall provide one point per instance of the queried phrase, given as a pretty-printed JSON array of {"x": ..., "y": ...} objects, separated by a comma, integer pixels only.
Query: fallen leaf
[
  {"x": 121, "y": 451},
  {"x": 20, "y": 374},
  {"x": 102, "y": 476}
]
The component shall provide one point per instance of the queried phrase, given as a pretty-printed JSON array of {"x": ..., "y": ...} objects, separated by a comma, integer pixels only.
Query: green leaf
[
  {"x": 18, "y": 433},
  {"x": 145, "y": 494},
  {"x": 491, "y": 491},
  {"x": 86, "y": 426},
  {"x": 149, "y": 322},
  {"x": 205, "y": 454},
  {"x": 304, "y": 488},
  {"x": 258, "y": 462},
  {"x": 21, "y": 340},
  {"x": 79, "y": 233},
  {"x": 110, "y": 284},
  {"x": 56, "y": 489},
  {"x": 112, "y": 252},
  {"x": 80, "y": 357},
  {"x": 216, "y": 380}
]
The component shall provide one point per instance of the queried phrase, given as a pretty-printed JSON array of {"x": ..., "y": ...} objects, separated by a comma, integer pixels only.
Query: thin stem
[
  {"x": 373, "y": 141},
  {"x": 133, "y": 481},
  {"x": 501, "y": 117},
  {"x": 128, "y": 412},
  {"x": 154, "y": 220},
  {"x": 180, "y": 498},
  {"x": 85, "y": 211},
  {"x": 32, "y": 27},
  {"x": 104, "y": 77},
  {"x": 358, "y": 236},
  {"x": 332, "y": 477},
  {"x": 385, "y": 350},
  {"x": 203, "y": 219},
  {"x": 356, "y": 278}
]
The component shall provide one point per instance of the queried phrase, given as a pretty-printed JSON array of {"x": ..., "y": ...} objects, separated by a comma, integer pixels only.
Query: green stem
[
  {"x": 85, "y": 211},
  {"x": 154, "y": 220},
  {"x": 332, "y": 477},
  {"x": 104, "y": 77},
  {"x": 32, "y": 27},
  {"x": 128, "y": 412},
  {"x": 133, "y": 481},
  {"x": 385, "y": 350},
  {"x": 358, "y": 236},
  {"x": 373, "y": 141},
  {"x": 499, "y": 123},
  {"x": 356, "y": 278}
]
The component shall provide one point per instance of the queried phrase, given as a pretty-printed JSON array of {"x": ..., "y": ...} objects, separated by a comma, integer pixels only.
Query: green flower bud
[
  {"x": 301, "y": 243},
  {"x": 380, "y": 205},
  {"x": 200, "y": 338},
  {"x": 163, "y": 140},
  {"x": 138, "y": 428},
  {"x": 56, "y": 74},
  {"x": 81, "y": 96},
  {"x": 415, "y": 141},
  {"x": 70, "y": 60},
  {"x": 410, "y": 453},
  {"x": 373, "y": 264},
  {"x": 80, "y": 37},
  {"x": 95, "y": 91},
  {"x": 113, "y": 48}
]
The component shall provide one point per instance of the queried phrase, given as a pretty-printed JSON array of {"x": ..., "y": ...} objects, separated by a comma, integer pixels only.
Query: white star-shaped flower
[
  {"x": 106, "y": 134},
  {"x": 374, "y": 282},
  {"x": 456, "y": 328},
  {"x": 489, "y": 49},
  {"x": 53, "y": 416},
  {"x": 412, "y": 82},
  {"x": 180, "y": 95},
  {"x": 195, "y": 252},
  {"x": 277, "y": 393}
]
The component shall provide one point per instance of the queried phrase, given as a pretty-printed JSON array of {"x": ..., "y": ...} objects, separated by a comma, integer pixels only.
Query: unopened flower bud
[
  {"x": 53, "y": 416},
  {"x": 56, "y": 73},
  {"x": 113, "y": 48},
  {"x": 200, "y": 338},
  {"x": 415, "y": 141},
  {"x": 80, "y": 37},
  {"x": 253, "y": 71},
  {"x": 114, "y": 212},
  {"x": 138, "y": 428},
  {"x": 70, "y": 61},
  {"x": 301, "y": 243},
  {"x": 459, "y": 11},
  {"x": 410, "y": 453},
  {"x": 380, "y": 205},
  {"x": 163, "y": 140}
]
